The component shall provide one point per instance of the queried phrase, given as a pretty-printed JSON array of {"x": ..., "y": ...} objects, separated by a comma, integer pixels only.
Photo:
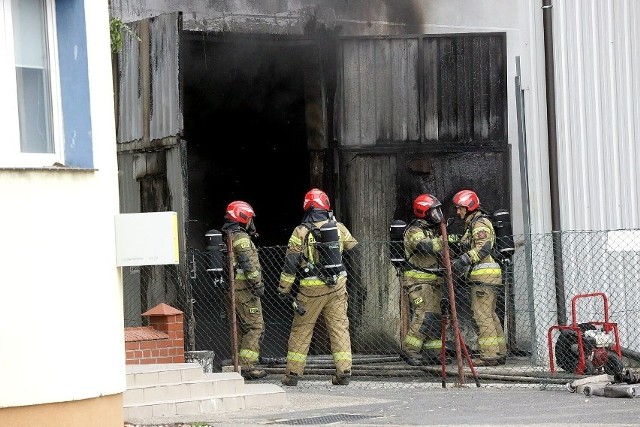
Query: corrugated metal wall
[
  {"x": 372, "y": 191},
  {"x": 149, "y": 63},
  {"x": 598, "y": 105},
  {"x": 456, "y": 82},
  {"x": 465, "y": 88},
  {"x": 597, "y": 83},
  {"x": 408, "y": 108},
  {"x": 380, "y": 91},
  {"x": 166, "y": 109},
  {"x": 130, "y": 90}
]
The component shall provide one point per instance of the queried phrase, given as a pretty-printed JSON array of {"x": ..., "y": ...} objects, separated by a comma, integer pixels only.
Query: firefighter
[
  {"x": 247, "y": 284},
  {"x": 422, "y": 281},
  {"x": 322, "y": 286},
  {"x": 477, "y": 265}
]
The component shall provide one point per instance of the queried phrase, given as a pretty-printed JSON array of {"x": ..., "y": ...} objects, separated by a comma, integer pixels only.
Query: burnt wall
[{"x": 348, "y": 17}]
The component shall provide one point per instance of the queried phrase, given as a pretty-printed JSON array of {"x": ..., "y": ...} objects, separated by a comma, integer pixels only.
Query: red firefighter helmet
[
  {"x": 467, "y": 199},
  {"x": 423, "y": 207},
  {"x": 240, "y": 212},
  {"x": 316, "y": 198}
]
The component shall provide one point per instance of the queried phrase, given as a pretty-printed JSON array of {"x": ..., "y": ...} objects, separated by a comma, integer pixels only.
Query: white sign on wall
[{"x": 149, "y": 238}]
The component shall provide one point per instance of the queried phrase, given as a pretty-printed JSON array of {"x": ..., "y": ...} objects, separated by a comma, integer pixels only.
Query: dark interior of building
[
  {"x": 244, "y": 126},
  {"x": 244, "y": 123}
]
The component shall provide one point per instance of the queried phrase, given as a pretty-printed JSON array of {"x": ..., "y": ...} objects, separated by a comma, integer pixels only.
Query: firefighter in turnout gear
[
  {"x": 422, "y": 282},
  {"x": 478, "y": 266},
  {"x": 248, "y": 286},
  {"x": 322, "y": 286}
]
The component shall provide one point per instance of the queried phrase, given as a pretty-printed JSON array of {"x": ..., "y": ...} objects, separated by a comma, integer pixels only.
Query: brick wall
[{"x": 160, "y": 342}]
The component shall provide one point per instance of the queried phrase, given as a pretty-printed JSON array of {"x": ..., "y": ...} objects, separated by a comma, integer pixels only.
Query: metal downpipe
[{"x": 552, "y": 139}]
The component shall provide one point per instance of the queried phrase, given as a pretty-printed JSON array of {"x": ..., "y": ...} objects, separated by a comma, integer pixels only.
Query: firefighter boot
[
  {"x": 341, "y": 379},
  {"x": 410, "y": 357},
  {"x": 430, "y": 357},
  {"x": 252, "y": 373},
  {"x": 494, "y": 361},
  {"x": 290, "y": 380}
]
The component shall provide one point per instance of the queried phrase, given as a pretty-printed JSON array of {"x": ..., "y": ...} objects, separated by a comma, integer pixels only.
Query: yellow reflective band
[
  {"x": 243, "y": 242},
  {"x": 420, "y": 275},
  {"x": 412, "y": 341},
  {"x": 253, "y": 310},
  {"x": 249, "y": 355},
  {"x": 341, "y": 355},
  {"x": 484, "y": 271},
  {"x": 287, "y": 278},
  {"x": 486, "y": 265},
  {"x": 296, "y": 357},
  {"x": 253, "y": 275},
  {"x": 311, "y": 282},
  {"x": 241, "y": 276},
  {"x": 491, "y": 341},
  {"x": 295, "y": 240},
  {"x": 418, "y": 301},
  {"x": 432, "y": 345},
  {"x": 437, "y": 245}
]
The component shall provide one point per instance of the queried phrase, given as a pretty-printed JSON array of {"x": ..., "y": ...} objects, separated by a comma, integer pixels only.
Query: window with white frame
[{"x": 29, "y": 82}]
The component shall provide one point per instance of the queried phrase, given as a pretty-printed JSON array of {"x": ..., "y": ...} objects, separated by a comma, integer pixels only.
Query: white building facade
[{"x": 62, "y": 356}]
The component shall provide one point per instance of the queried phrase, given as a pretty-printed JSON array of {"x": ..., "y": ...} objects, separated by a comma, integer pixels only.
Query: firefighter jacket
[
  {"x": 477, "y": 242},
  {"x": 301, "y": 257},
  {"x": 246, "y": 264},
  {"x": 422, "y": 248}
]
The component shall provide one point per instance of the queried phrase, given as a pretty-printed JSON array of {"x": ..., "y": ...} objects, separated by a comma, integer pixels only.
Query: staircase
[{"x": 165, "y": 390}]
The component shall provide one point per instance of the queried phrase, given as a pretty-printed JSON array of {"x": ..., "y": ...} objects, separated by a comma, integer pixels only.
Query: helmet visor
[{"x": 435, "y": 215}]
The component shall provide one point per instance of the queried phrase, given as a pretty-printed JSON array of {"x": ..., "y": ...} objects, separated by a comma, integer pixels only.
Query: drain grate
[{"x": 323, "y": 419}]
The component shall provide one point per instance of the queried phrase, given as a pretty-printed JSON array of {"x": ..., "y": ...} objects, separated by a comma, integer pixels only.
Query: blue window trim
[{"x": 74, "y": 83}]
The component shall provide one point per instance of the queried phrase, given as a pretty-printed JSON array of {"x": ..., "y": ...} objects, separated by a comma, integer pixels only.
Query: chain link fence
[{"x": 556, "y": 288}]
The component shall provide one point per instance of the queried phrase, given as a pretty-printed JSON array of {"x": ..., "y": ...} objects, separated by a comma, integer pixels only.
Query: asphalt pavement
[{"x": 365, "y": 403}]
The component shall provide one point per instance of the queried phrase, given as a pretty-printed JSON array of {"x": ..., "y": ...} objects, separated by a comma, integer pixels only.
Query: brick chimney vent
[{"x": 162, "y": 309}]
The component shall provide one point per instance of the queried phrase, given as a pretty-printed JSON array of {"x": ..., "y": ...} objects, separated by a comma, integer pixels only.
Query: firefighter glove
[
  {"x": 283, "y": 295},
  {"x": 454, "y": 244},
  {"x": 453, "y": 238},
  {"x": 258, "y": 289},
  {"x": 460, "y": 265}
]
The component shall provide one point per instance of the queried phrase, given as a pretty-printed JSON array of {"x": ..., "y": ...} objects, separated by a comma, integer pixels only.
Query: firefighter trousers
[
  {"x": 332, "y": 305},
  {"x": 250, "y": 327},
  {"x": 424, "y": 330},
  {"x": 491, "y": 340}
]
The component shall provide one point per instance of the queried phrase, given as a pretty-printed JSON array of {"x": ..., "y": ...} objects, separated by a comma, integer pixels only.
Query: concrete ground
[{"x": 363, "y": 403}]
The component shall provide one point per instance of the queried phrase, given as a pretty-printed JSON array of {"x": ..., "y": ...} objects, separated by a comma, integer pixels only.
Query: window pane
[
  {"x": 35, "y": 134},
  {"x": 32, "y": 76}
]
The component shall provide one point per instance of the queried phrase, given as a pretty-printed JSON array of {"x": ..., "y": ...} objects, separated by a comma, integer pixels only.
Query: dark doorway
[
  {"x": 244, "y": 123},
  {"x": 246, "y": 137}
]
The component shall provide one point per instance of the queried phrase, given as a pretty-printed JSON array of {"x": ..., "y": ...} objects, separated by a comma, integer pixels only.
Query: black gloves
[
  {"x": 460, "y": 265},
  {"x": 258, "y": 289},
  {"x": 284, "y": 296}
]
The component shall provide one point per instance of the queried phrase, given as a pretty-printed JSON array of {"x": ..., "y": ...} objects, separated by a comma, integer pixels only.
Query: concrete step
[
  {"x": 185, "y": 389},
  {"x": 216, "y": 384},
  {"x": 154, "y": 374},
  {"x": 254, "y": 396}
]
